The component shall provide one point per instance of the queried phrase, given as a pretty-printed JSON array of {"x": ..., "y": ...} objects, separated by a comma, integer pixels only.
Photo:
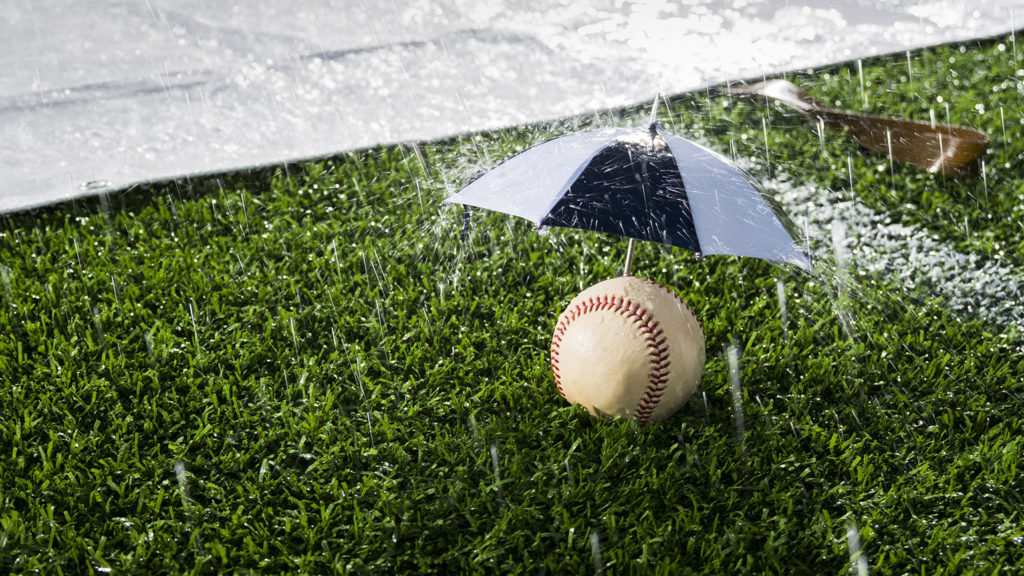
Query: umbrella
[{"x": 645, "y": 184}]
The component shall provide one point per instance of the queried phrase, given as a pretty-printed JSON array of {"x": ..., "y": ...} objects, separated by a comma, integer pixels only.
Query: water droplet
[{"x": 94, "y": 185}]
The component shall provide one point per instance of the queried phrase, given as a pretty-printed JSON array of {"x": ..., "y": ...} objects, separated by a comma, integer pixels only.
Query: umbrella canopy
[{"x": 642, "y": 184}]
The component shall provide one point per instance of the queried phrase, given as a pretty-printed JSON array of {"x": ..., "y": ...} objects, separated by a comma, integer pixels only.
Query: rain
[{"x": 193, "y": 164}]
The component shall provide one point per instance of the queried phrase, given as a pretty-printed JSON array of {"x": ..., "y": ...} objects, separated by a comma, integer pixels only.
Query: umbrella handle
[{"x": 629, "y": 256}]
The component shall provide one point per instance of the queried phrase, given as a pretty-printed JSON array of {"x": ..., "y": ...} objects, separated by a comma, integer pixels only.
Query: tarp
[{"x": 97, "y": 96}]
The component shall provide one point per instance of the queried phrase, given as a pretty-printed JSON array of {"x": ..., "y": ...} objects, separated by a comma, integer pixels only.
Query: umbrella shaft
[{"x": 629, "y": 256}]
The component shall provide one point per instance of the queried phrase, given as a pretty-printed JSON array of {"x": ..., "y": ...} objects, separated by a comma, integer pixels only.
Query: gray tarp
[{"x": 103, "y": 94}]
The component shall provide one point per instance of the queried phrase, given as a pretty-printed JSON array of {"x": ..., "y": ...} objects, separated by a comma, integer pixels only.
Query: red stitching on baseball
[
  {"x": 657, "y": 345},
  {"x": 676, "y": 296}
]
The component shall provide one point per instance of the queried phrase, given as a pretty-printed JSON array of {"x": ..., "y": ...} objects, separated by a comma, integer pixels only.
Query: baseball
[{"x": 628, "y": 347}]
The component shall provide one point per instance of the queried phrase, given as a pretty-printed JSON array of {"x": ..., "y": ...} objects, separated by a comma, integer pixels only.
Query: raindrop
[
  {"x": 179, "y": 472},
  {"x": 841, "y": 302},
  {"x": 892, "y": 172},
  {"x": 97, "y": 324},
  {"x": 1002, "y": 122},
  {"x": 942, "y": 152},
  {"x": 767, "y": 156},
  {"x": 821, "y": 135},
  {"x": 117, "y": 298},
  {"x": 858, "y": 561},
  {"x": 362, "y": 396},
  {"x": 148, "y": 339},
  {"x": 984, "y": 181},
  {"x": 595, "y": 549},
  {"x": 241, "y": 265},
  {"x": 295, "y": 338},
  {"x": 245, "y": 212},
  {"x": 839, "y": 243},
  {"x": 860, "y": 73},
  {"x": 707, "y": 412},
  {"x": 839, "y": 425},
  {"x": 849, "y": 171},
  {"x": 195, "y": 330},
  {"x": 910, "y": 72},
  {"x": 78, "y": 254},
  {"x": 494, "y": 463},
  {"x": 1013, "y": 36},
  {"x": 369, "y": 427},
  {"x": 473, "y": 430},
  {"x": 5, "y": 280},
  {"x": 497, "y": 474},
  {"x": 733, "y": 354},
  {"x": 780, "y": 291}
]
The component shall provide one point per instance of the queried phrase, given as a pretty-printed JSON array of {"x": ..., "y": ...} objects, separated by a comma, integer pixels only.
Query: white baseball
[{"x": 628, "y": 347}]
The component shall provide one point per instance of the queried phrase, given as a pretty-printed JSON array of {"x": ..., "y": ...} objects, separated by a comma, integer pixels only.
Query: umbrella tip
[{"x": 654, "y": 108}]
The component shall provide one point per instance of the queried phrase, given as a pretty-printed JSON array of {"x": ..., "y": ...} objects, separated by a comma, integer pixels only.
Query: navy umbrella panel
[
  {"x": 642, "y": 184},
  {"x": 629, "y": 189}
]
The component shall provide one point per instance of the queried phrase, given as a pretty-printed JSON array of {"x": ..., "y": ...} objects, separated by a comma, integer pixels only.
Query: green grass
[{"x": 309, "y": 369}]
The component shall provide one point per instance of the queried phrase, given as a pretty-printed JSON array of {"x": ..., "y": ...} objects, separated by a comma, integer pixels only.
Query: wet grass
[{"x": 314, "y": 368}]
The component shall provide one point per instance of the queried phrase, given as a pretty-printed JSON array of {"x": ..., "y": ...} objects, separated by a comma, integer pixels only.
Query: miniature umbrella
[{"x": 645, "y": 184}]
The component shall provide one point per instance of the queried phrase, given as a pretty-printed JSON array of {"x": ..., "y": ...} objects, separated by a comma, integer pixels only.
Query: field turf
[{"x": 315, "y": 368}]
